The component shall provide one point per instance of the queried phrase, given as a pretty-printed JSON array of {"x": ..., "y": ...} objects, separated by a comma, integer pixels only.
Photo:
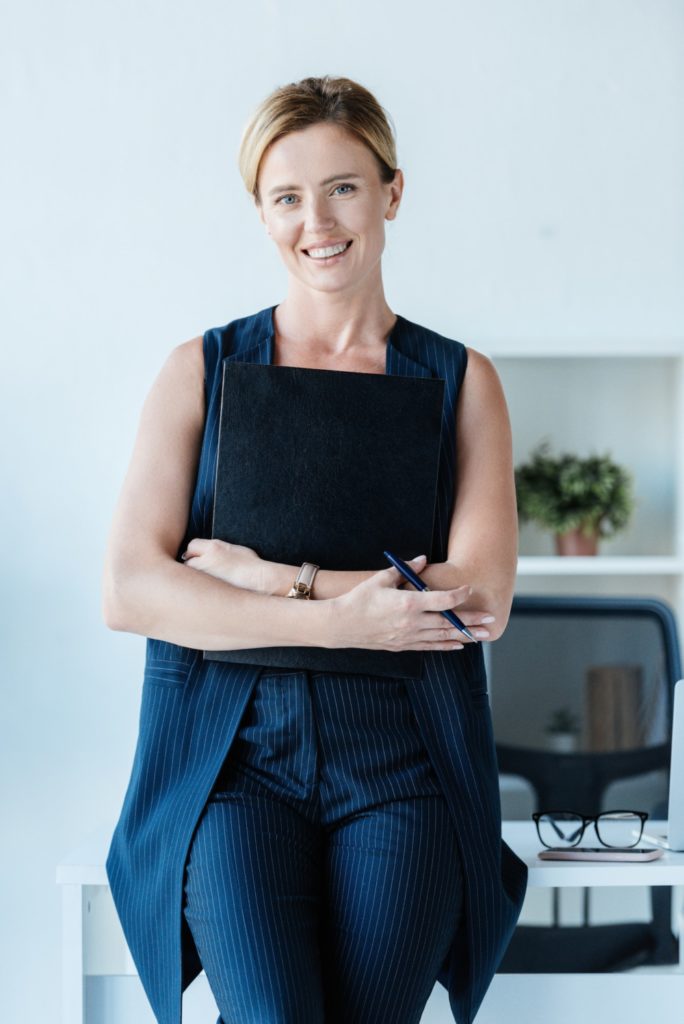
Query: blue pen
[{"x": 410, "y": 575}]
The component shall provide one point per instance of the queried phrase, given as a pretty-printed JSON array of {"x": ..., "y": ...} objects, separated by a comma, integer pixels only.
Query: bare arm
[
  {"x": 146, "y": 590},
  {"x": 483, "y": 534}
]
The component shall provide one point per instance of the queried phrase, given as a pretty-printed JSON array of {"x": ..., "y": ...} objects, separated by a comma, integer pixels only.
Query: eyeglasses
[{"x": 559, "y": 830}]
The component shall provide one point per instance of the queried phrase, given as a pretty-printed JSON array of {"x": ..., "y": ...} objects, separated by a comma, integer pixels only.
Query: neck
[{"x": 332, "y": 324}]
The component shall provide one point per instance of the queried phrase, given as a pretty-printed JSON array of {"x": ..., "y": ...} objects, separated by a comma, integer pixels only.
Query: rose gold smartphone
[{"x": 600, "y": 853}]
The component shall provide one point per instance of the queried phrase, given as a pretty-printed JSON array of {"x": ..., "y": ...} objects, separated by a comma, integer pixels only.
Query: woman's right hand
[{"x": 377, "y": 615}]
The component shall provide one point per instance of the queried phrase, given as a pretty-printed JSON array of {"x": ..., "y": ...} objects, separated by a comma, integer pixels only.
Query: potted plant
[
  {"x": 580, "y": 499},
  {"x": 563, "y": 729}
]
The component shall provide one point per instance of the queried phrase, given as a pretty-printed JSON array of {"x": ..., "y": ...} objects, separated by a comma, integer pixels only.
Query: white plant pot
[{"x": 562, "y": 742}]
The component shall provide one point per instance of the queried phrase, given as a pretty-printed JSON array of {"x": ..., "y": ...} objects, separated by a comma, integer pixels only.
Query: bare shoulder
[
  {"x": 188, "y": 357},
  {"x": 157, "y": 491},
  {"x": 480, "y": 368},
  {"x": 481, "y": 383},
  {"x": 180, "y": 381}
]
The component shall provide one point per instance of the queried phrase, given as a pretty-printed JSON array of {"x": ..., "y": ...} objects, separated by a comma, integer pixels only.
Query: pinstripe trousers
[{"x": 323, "y": 882}]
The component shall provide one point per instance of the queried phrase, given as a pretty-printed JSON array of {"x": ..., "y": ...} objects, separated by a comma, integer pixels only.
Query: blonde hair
[{"x": 293, "y": 107}]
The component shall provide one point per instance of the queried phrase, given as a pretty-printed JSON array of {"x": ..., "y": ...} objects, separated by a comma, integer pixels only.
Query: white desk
[
  {"x": 627, "y": 997},
  {"x": 521, "y": 836},
  {"x": 93, "y": 945}
]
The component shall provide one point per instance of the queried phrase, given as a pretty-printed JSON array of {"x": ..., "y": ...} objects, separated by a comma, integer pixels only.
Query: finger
[
  {"x": 441, "y": 600},
  {"x": 476, "y": 618},
  {"x": 439, "y": 645},
  {"x": 447, "y": 632},
  {"x": 391, "y": 577},
  {"x": 433, "y": 620},
  {"x": 197, "y": 546},
  {"x": 444, "y": 632}
]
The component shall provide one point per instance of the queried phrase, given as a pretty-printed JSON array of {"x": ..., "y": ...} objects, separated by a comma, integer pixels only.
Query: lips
[{"x": 329, "y": 245}]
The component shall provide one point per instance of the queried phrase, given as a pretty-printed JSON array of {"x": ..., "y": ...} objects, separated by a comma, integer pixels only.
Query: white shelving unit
[
  {"x": 625, "y": 399},
  {"x": 627, "y": 565}
]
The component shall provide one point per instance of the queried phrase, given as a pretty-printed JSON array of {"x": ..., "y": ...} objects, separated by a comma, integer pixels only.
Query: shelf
[
  {"x": 587, "y": 398},
  {"x": 600, "y": 565},
  {"x": 559, "y": 348}
]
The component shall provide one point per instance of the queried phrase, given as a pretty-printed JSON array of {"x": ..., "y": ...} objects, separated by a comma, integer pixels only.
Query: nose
[{"x": 319, "y": 215}]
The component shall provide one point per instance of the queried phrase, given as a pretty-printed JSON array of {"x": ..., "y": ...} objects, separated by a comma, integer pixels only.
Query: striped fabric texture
[
  {"x": 324, "y": 882},
  {"x": 191, "y": 710}
]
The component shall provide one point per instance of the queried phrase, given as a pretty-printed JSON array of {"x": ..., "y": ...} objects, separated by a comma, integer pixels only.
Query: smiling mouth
[{"x": 324, "y": 259}]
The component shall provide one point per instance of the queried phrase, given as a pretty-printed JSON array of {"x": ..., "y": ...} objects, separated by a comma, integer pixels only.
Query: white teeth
[{"x": 333, "y": 250}]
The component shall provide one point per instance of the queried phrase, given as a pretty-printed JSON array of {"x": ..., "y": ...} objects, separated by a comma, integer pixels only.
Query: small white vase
[{"x": 562, "y": 742}]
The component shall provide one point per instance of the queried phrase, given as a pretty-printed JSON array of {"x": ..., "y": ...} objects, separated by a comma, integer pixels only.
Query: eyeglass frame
[{"x": 588, "y": 819}]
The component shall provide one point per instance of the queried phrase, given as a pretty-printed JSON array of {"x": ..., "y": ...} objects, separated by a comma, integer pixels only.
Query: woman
[{"x": 324, "y": 846}]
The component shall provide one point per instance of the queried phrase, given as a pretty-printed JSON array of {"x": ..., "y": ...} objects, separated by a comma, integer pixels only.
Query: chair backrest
[{"x": 581, "y": 692}]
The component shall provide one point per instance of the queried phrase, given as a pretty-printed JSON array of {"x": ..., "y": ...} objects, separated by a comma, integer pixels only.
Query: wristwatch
[{"x": 303, "y": 583}]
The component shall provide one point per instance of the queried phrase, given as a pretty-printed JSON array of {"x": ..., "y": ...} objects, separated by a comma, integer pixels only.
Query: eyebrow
[{"x": 327, "y": 181}]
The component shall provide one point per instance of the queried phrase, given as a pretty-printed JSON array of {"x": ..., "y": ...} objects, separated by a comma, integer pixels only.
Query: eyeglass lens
[
  {"x": 618, "y": 828},
  {"x": 614, "y": 828}
]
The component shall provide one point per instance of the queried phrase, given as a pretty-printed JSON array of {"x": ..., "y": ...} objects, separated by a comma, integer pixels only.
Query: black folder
[{"x": 330, "y": 467}]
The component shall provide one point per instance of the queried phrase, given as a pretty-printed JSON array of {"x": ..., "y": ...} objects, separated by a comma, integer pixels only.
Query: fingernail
[{"x": 487, "y": 618}]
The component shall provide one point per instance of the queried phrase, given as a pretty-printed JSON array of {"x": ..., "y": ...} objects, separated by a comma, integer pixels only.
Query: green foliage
[
  {"x": 563, "y": 720},
  {"x": 567, "y": 492}
]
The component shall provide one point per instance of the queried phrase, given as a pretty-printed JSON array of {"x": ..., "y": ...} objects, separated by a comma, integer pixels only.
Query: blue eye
[{"x": 290, "y": 195}]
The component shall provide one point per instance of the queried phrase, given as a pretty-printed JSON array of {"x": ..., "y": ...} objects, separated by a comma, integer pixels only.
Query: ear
[{"x": 396, "y": 189}]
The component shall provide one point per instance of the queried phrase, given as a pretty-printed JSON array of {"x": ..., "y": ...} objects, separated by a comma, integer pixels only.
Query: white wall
[{"x": 543, "y": 146}]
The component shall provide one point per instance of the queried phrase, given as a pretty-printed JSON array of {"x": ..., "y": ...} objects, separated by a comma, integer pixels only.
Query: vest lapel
[
  {"x": 398, "y": 362},
  {"x": 260, "y": 326}
]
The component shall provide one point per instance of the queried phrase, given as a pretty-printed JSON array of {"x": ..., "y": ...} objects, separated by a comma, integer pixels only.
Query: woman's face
[{"x": 304, "y": 209}]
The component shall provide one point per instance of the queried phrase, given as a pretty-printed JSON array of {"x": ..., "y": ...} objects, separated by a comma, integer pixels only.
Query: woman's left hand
[{"x": 233, "y": 563}]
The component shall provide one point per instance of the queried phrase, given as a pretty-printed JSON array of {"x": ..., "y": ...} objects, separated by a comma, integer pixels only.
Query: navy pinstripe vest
[{"x": 190, "y": 711}]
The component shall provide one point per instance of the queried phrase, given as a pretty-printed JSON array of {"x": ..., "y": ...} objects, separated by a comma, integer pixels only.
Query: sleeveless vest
[{"x": 190, "y": 711}]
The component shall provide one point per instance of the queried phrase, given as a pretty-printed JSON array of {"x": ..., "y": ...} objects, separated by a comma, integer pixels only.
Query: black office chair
[{"x": 611, "y": 664}]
